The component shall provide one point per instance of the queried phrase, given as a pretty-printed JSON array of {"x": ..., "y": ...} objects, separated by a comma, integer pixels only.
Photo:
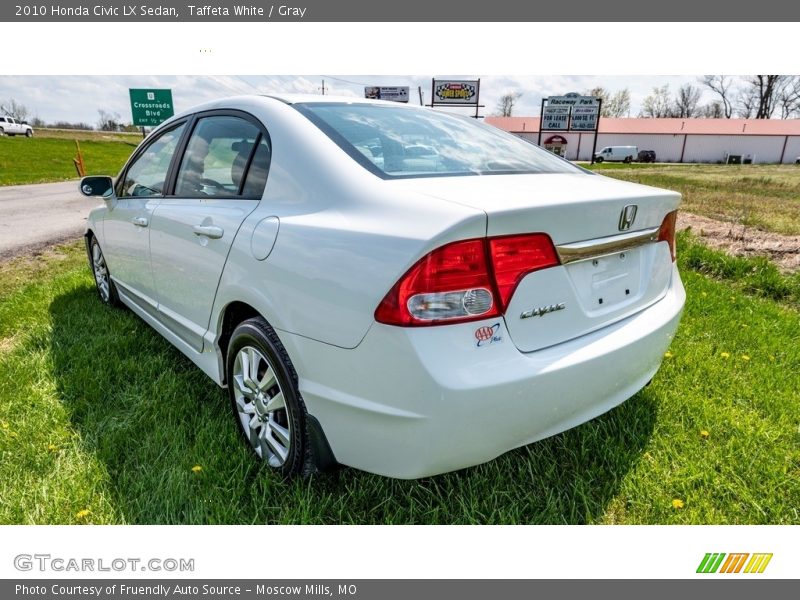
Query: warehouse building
[{"x": 673, "y": 140}]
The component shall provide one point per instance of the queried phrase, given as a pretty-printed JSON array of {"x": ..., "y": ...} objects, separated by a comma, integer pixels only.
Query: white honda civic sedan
[{"x": 387, "y": 287}]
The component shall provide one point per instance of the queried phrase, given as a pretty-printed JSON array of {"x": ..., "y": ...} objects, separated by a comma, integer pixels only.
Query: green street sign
[{"x": 151, "y": 107}]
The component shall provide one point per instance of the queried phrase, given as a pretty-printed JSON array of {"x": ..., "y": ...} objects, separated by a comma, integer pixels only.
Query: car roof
[{"x": 319, "y": 98}]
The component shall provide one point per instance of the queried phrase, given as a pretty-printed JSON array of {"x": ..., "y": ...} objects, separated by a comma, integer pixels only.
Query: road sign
[
  {"x": 151, "y": 107},
  {"x": 584, "y": 118},
  {"x": 555, "y": 118}
]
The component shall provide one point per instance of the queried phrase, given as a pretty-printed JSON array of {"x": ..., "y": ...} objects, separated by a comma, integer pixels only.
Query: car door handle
[
  {"x": 140, "y": 221},
  {"x": 210, "y": 231}
]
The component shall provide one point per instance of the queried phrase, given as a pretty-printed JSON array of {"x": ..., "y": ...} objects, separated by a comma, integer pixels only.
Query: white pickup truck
[{"x": 10, "y": 126}]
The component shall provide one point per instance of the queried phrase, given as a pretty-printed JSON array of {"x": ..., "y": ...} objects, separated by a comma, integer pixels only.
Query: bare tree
[
  {"x": 657, "y": 105},
  {"x": 687, "y": 102},
  {"x": 618, "y": 105},
  {"x": 712, "y": 110},
  {"x": 722, "y": 86},
  {"x": 789, "y": 98},
  {"x": 747, "y": 103},
  {"x": 109, "y": 121},
  {"x": 762, "y": 92},
  {"x": 14, "y": 109},
  {"x": 505, "y": 106}
]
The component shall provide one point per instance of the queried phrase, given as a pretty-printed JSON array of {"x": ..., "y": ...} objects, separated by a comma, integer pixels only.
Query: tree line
[
  {"x": 746, "y": 97},
  {"x": 107, "y": 121}
]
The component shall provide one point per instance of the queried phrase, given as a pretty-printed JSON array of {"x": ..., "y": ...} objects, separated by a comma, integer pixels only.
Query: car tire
[
  {"x": 628, "y": 160},
  {"x": 2, "y": 132},
  {"x": 266, "y": 401},
  {"x": 598, "y": 160},
  {"x": 105, "y": 287},
  {"x": 29, "y": 133}
]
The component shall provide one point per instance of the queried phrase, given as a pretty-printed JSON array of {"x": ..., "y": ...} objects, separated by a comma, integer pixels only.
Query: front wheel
[
  {"x": 2, "y": 132},
  {"x": 598, "y": 160},
  {"x": 29, "y": 133},
  {"x": 102, "y": 279},
  {"x": 266, "y": 402}
]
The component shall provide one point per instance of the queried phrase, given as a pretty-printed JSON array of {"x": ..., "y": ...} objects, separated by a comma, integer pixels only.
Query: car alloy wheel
[
  {"x": 261, "y": 405},
  {"x": 28, "y": 133},
  {"x": 100, "y": 273},
  {"x": 102, "y": 278}
]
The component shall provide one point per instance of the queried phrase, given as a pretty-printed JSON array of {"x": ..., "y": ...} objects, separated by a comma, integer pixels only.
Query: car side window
[
  {"x": 147, "y": 175},
  {"x": 217, "y": 156},
  {"x": 257, "y": 173}
]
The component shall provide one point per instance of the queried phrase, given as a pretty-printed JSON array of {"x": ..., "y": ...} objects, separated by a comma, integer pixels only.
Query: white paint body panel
[{"x": 317, "y": 254}]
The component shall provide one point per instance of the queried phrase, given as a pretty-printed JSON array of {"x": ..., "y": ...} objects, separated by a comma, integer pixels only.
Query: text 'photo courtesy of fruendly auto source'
[{"x": 424, "y": 299}]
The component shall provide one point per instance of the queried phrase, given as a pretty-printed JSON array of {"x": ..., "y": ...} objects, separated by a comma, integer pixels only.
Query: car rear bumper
[{"x": 414, "y": 402}]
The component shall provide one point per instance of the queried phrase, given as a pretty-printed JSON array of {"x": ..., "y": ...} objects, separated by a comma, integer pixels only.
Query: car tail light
[
  {"x": 515, "y": 256},
  {"x": 450, "y": 284},
  {"x": 667, "y": 232},
  {"x": 465, "y": 281}
]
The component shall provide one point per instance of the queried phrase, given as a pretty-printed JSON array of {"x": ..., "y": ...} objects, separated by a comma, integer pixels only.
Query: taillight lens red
[
  {"x": 667, "y": 232},
  {"x": 515, "y": 256},
  {"x": 465, "y": 281}
]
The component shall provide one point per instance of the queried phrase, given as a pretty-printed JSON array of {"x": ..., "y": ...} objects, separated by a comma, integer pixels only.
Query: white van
[{"x": 617, "y": 153}]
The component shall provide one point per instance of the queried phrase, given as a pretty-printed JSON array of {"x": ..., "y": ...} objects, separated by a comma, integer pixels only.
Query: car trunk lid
[{"x": 606, "y": 235}]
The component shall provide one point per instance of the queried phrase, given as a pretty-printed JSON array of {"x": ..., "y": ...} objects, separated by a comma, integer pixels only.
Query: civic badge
[{"x": 627, "y": 217}]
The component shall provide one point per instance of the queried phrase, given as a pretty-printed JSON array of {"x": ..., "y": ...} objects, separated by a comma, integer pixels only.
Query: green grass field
[
  {"x": 48, "y": 155},
  {"x": 102, "y": 421},
  {"x": 762, "y": 196}
]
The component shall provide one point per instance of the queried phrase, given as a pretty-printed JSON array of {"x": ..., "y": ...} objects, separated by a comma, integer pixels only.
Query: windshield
[{"x": 398, "y": 141}]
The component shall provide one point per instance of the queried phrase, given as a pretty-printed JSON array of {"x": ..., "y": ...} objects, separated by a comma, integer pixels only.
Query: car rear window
[{"x": 399, "y": 141}]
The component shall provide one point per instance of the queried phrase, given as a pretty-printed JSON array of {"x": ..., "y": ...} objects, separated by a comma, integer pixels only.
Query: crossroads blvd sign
[{"x": 151, "y": 107}]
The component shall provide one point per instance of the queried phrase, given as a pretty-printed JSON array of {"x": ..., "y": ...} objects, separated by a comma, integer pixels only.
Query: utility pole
[{"x": 323, "y": 87}]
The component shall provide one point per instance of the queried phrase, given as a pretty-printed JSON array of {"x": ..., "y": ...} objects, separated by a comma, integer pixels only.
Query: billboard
[
  {"x": 393, "y": 93},
  {"x": 455, "y": 92}
]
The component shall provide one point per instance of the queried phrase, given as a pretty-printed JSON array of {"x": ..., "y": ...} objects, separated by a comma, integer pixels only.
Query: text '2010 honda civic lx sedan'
[{"x": 388, "y": 287}]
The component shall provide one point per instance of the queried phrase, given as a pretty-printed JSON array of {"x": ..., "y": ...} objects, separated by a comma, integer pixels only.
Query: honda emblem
[{"x": 627, "y": 216}]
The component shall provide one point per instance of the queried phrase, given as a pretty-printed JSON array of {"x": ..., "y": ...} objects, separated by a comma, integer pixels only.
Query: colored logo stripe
[
  {"x": 733, "y": 564},
  {"x": 710, "y": 562},
  {"x": 758, "y": 563}
]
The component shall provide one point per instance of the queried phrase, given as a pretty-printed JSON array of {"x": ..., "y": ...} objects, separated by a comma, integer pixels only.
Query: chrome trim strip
[{"x": 606, "y": 245}]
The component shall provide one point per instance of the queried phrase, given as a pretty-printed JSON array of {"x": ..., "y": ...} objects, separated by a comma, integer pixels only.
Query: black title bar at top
[{"x": 403, "y": 11}]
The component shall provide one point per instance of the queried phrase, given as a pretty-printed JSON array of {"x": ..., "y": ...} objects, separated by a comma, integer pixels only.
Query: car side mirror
[{"x": 97, "y": 186}]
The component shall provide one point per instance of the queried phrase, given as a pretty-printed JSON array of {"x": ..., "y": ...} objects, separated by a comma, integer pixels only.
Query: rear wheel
[
  {"x": 266, "y": 402},
  {"x": 102, "y": 279},
  {"x": 628, "y": 159}
]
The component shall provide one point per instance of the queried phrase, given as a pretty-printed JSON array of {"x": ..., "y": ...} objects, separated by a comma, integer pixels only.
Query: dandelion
[
  {"x": 725, "y": 355},
  {"x": 197, "y": 469},
  {"x": 82, "y": 514},
  {"x": 52, "y": 447},
  {"x": 704, "y": 434},
  {"x": 667, "y": 354},
  {"x": 745, "y": 357},
  {"x": 677, "y": 504},
  {"x": 771, "y": 357},
  {"x": 4, "y": 424},
  {"x": 13, "y": 434},
  {"x": 704, "y": 294}
]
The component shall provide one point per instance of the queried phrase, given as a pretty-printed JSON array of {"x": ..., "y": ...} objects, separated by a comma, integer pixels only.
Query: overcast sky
[{"x": 78, "y": 98}]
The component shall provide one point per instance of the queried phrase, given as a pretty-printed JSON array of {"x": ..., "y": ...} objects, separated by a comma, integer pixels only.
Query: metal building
[{"x": 675, "y": 140}]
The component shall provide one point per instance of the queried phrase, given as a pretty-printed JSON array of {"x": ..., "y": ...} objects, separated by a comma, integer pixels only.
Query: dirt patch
[{"x": 739, "y": 240}]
